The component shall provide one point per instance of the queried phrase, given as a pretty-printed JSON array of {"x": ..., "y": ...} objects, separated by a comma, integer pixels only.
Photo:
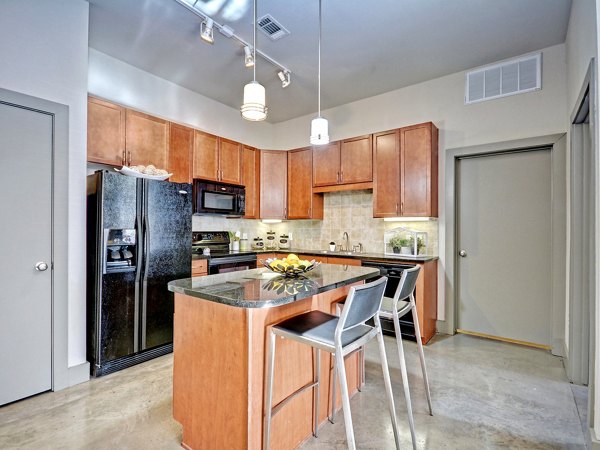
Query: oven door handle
[{"x": 231, "y": 260}]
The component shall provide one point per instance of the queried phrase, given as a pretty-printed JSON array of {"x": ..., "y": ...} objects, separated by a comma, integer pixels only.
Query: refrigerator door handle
[{"x": 144, "y": 302}]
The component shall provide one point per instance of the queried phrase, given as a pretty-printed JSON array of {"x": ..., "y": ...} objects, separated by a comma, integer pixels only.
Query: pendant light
[
  {"x": 319, "y": 127},
  {"x": 254, "y": 107}
]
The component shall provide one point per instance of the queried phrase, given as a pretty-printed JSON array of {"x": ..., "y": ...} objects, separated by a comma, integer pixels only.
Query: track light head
[
  {"x": 285, "y": 77},
  {"x": 248, "y": 56},
  {"x": 206, "y": 31}
]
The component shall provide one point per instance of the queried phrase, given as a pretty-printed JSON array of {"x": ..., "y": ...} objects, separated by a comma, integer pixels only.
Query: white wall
[
  {"x": 442, "y": 102},
  {"x": 44, "y": 51},
  {"x": 115, "y": 80},
  {"x": 582, "y": 45}
]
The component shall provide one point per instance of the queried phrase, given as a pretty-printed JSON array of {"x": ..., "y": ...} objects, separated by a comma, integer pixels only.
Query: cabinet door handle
[
  {"x": 338, "y": 177},
  {"x": 217, "y": 174},
  {"x": 396, "y": 207},
  {"x": 129, "y": 160},
  {"x": 341, "y": 176},
  {"x": 308, "y": 212},
  {"x": 402, "y": 208},
  {"x": 123, "y": 160}
]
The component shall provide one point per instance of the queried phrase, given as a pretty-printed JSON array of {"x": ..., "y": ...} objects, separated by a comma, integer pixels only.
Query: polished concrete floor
[{"x": 486, "y": 395}]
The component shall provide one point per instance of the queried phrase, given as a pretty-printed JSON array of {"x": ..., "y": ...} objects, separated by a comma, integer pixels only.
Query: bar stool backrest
[
  {"x": 407, "y": 284},
  {"x": 363, "y": 303}
]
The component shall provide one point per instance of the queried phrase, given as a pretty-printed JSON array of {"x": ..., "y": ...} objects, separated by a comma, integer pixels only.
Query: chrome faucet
[{"x": 346, "y": 240}]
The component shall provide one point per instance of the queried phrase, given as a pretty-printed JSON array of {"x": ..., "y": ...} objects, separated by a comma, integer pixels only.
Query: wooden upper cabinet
[
  {"x": 326, "y": 164},
  {"x": 217, "y": 159},
  {"x": 273, "y": 184},
  {"x": 206, "y": 156},
  {"x": 251, "y": 181},
  {"x": 386, "y": 174},
  {"x": 405, "y": 172},
  {"x": 356, "y": 160},
  {"x": 181, "y": 143},
  {"x": 146, "y": 139},
  {"x": 419, "y": 170},
  {"x": 302, "y": 203},
  {"x": 106, "y": 132},
  {"x": 230, "y": 161}
]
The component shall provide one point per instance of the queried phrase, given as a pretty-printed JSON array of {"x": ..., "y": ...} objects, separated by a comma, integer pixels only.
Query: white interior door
[
  {"x": 504, "y": 244},
  {"x": 25, "y": 240}
]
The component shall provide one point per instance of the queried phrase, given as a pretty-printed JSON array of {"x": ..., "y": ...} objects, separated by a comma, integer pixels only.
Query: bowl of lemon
[{"x": 290, "y": 266}]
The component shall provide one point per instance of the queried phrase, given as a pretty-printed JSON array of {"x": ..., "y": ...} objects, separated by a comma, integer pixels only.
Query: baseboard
[
  {"x": 443, "y": 327},
  {"x": 79, "y": 373},
  {"x": 558, "y": 347},
  {"x": 592, "y": 440}
]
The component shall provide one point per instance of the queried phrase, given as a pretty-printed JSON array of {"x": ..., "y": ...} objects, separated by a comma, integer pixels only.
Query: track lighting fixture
[
  {"x": 285, "y": 77},
  {"x": 248, "y": 57},
  {"x": 206, "y": 31}
]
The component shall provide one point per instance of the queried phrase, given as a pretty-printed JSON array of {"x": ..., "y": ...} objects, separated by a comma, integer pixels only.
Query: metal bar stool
[
  {"x": 393, "y": 309},
  {"x": 338, "y": 336}
]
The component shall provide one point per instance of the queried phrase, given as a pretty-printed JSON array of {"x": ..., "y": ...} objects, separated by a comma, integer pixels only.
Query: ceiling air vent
[
  {"x": 507, "y": 78},
  {"x": 272, "y": 28}
]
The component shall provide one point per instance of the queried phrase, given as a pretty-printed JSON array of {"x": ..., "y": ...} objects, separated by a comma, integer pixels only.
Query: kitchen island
[{"x": 220, "y": 327}]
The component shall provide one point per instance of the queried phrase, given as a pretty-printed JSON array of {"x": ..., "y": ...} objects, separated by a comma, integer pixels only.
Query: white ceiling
[{"x": 369, "y": 46}]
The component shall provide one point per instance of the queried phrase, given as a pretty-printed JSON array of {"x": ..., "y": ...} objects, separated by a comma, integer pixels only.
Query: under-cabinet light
[
  {"x": 408, "y": 219},
  {"x": 271, "y": 221}
]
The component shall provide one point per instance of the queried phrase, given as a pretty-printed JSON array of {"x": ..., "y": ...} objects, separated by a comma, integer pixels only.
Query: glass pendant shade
[
  {"x": 254, "y": 107},
  {"x": 319, "y": 131}
]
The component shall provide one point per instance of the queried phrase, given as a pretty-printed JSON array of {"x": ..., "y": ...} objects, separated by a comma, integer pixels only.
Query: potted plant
[
  {"x": 420, "y": 246},
  {"x": 399, "y": 244}
]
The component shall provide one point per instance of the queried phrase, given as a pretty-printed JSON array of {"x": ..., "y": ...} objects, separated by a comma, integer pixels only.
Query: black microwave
[{"x": 219, "y": 198}]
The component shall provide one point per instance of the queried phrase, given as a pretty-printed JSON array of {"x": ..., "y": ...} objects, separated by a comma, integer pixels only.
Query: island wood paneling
[{"x": 219, "y": 369}]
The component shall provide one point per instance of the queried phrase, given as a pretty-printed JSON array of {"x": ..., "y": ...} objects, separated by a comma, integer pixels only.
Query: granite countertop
[
  {"x": 325, "y": 253},
  {"x": 261, "y": 288}
]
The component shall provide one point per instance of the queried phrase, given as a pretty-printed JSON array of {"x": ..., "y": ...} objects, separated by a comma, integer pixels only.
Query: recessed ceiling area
[{"x": 368, "y": 47}]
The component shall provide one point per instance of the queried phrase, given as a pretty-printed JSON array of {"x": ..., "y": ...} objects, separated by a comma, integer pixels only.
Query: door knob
[
  {"x": 41, "y": 266},
  {"x": 462, "y": 253}
]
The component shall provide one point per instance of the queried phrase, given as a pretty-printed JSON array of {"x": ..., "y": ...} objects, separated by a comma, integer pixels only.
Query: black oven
[
  {"x": 393, "y": 271},
  {"x": 231, "y": 263},
  {"x": 219, "y": 198}
]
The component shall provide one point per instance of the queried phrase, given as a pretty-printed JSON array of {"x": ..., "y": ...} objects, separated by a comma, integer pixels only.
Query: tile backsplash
[{"x": 350, "y": 211}]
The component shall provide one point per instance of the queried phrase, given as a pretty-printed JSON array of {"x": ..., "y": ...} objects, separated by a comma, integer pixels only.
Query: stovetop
[{"x": 217, "y": 242}]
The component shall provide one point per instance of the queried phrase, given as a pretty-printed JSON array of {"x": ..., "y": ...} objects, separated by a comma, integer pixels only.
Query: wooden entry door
[{"x": 504, "y": 244}]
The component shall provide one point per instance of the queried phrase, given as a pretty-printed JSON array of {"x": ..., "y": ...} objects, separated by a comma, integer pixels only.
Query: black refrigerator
[{"x": 139, "y": 235}]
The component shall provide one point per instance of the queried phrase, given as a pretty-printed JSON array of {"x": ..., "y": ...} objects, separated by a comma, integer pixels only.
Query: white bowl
[{"x": 134, "y": 173}]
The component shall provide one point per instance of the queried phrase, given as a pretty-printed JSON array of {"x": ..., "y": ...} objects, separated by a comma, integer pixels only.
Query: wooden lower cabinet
[
  {"x": 199, "y": 267},
  {"x": 181, "y": 144},
  {"x": 426, "y": 299}
]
